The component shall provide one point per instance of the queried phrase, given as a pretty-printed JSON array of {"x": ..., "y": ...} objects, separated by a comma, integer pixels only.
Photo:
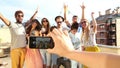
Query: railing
[
  {"x": 109, "y": 49},
  {"x": 4, "y": 49},
  {"x": 104, "y": 48}
]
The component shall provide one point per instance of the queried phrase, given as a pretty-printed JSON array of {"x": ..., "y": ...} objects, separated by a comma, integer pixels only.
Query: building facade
[{"x": 108, "y": 27}]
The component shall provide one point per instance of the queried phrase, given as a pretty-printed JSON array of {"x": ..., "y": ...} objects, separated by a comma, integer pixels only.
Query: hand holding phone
[{"x": 41, "y": 42}]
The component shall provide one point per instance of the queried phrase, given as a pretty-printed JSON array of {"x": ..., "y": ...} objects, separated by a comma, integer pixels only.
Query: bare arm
[
  {"x": 33, "y": 16},
  {"x": 5, "y": 20},
  {"x": 95, "y": 60},
  {"x": 67, "y": 23},
  {"x": 83, "y": 11},
  {"x": 64, "y": 47},
  {"x": 94, "y": 23}
]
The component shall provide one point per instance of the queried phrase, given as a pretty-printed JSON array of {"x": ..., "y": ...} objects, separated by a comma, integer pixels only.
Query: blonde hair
[{"x": 85, "y": 31}]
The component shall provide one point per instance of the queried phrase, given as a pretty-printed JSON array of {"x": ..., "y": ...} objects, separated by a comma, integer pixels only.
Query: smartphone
[{"x": 41, "y": 42}]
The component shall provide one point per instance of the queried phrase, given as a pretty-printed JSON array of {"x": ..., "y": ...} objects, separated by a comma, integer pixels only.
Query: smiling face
[
  {"x": 74, "y": 19},
  {"x": 59, "y": 21},
  {"x": 74, "y": 31},
  {"x": 19, "y": 17},
  {"x": 44, "y": 22},
  {"x": 84, "y": 24},
  {"x": 34, "y": 24}
]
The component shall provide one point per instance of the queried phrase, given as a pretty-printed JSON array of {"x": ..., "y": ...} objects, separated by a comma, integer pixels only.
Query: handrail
[{"x": 108, "y": 46}]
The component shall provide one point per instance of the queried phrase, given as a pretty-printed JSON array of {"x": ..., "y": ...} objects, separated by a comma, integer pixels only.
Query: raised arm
[
  {"x": 94, "y": 22},
  {"x": 83, "y": 11},
  {"x": 34, "y": 14},
  {"x": 5, "y": 20},
  {"x": 64, "y": 47},
  {"x": 67, "y": 23}
]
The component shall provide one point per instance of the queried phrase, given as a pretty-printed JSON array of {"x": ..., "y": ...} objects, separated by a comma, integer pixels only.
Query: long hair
[
  {"x": 85, "y": 31},
  {"x": 38, "y": 27},
  {"x": 48, "y": 25}
]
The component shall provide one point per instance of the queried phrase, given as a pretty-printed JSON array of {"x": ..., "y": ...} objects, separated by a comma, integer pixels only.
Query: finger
[
  {"x": 49, "y": 34},
  {"x": 56, "y": 32},
  {"x": 60, "y": 31},
  {"x": 65, "y": 33},
  {"x": 53, "y": 35},
  {"x": 50, "y": 50}
]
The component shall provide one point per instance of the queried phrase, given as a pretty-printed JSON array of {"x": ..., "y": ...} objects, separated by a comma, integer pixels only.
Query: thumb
[{"x": 50, "y": 50}]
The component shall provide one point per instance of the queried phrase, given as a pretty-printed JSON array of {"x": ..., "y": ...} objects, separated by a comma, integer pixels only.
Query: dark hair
[
  {"x": 59, "y": 17},
  {"x": 48, "y": 25},
  {"x": 38, "y": 27},
  {"x": 52, "y": 27},
  {"x": 17, "y": 12},
  {"x": 74, "y": 16},
  {"x": 75, "y": 26}
]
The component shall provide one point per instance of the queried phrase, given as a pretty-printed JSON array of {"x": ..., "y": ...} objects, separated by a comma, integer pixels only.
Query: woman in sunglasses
[
  {"x": 88, "y": 41},
  {"x": 46, "y": 26},
  {"x": 45, "y": 55}
]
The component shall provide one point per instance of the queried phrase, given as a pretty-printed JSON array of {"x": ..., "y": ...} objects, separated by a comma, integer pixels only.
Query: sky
[{"x": 52, "y": 8}]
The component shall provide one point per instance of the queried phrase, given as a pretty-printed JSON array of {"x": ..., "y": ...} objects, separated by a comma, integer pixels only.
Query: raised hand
[
  {"x": 37, "y": 9},
  {"x": 82, "y": 6},
  {"x": 92, "y": 13},
  {"x": 94, "y": 22}
]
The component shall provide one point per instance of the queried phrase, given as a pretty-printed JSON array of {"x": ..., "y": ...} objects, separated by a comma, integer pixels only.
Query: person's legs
[
  {"x": 73, "y": 64},
  {"x": 67, "y": 63},
  {"x": 54, "y": 61},
  {"x": 48, "y": 56},
  {"x": 22, "y": 57},
  {"x": 43, "y": 54},
  {"x": 15, "y": 58},
  {"x": 60, "y": 61}
]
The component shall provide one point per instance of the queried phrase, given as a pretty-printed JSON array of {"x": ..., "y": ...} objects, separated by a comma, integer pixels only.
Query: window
[
  {"x": 112, "y": 42},
  {"x": 101, "y": 41},
  {"x": 109, "y": 20},
  {"x": 102, "y": 26},
  {"x": 101, "y": 34}
]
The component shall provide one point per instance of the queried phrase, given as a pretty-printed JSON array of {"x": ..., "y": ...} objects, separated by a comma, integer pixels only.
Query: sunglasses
[
  {"x": 83, "y": 22},
  {"x": 20, "y": 15},
  {"x": 59, "y": 22},
  {"x": 45, "y": 21}
]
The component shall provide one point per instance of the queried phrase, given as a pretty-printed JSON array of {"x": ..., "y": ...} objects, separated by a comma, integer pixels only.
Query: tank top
[{"x": 91, "y": 39}]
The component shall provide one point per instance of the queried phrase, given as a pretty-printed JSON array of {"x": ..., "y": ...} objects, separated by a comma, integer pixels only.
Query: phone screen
[{"x": 41, "y": 42}]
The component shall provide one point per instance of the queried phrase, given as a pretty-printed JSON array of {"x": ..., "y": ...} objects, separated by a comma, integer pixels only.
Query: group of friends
[{"x": 75, "y": 43}]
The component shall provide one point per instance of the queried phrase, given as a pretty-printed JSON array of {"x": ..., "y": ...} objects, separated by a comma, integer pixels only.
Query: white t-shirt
[
  {"x": 64, "y": 26},
  {"x": 91, "y": 40},
  {"x": 75, "y": 41},
  {"x": 18, "y": 33}
]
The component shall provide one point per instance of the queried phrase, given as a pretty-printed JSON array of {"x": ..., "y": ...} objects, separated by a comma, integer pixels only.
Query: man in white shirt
[
  {"x": 62, "y": 60},
  {"x": 18, "y": 39}
]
